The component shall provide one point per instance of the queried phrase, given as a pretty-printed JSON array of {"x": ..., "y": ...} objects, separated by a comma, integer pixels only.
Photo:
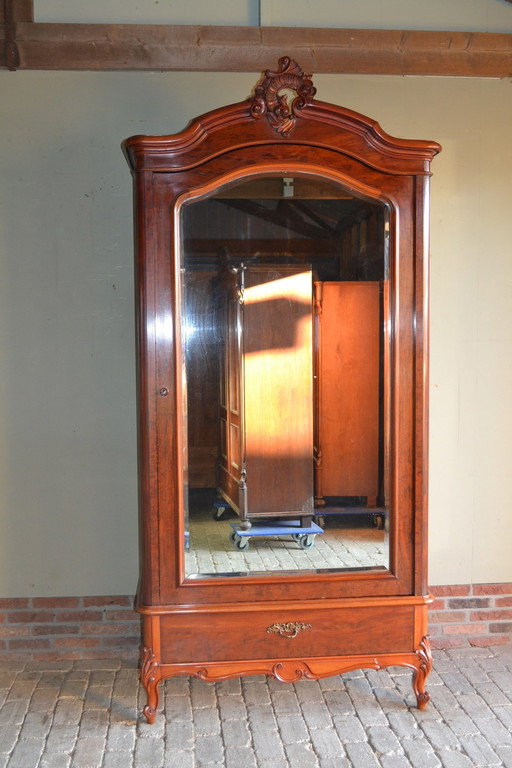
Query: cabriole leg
[
  {"x": 150, "y": 679},
  {"x": 422, "y": 672}
]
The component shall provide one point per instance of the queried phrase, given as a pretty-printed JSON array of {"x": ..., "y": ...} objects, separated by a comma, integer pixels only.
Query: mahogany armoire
[{"x": 313, "y": 221}]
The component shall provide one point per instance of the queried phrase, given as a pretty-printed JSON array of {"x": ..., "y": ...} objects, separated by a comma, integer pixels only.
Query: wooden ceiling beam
[{"x": 137, "y": 47}]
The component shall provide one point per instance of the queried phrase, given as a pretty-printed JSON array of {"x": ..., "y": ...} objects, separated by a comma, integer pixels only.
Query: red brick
[
  {"x": 465, "y": 629},
  {"x": 99, "y": 602},
  {"x": 53, "y": 656},
  {"x": 503, "y": 602},
  {"x": 30, "y": 643},
  {"x": 438, "y": 617},
  {"x": 447, "y": 642},
  {"x": 55, "y": 629},
  {"x": 76, "y": 642},
  {"x": 493, "y": 589},
  {"x": 110, "y": 629},
  {"x": 451, "y": 590},
  {"x": 123, "y": 615},
  {"x": 437, "y": 605},
  {"x": 18, "y": 603},
  {"x": 2, "y": 618},
  {"x": 501, "y": 627},
  {"x": 79, "y": 616},
  {"x": 485, "y": 640},
  {"x": 30, "y": 617},
  {"x": 132, "y": 641},
  {"x": 468, "y": 602},
  {"x": 56, "y": 602},
  {"x": 490, "y": 615},
  {"x": 16, "y": 631}
]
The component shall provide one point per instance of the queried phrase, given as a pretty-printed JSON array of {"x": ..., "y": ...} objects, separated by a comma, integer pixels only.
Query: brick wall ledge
[
  {"x": 52, "y": 628},
  {"x": 471, "y": 615}
]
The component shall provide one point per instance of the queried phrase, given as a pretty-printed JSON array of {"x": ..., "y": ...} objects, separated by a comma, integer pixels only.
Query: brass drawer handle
[{"x": 289, "y": 630}]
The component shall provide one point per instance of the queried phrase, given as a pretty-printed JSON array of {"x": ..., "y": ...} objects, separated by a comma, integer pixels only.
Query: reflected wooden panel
[
  {"x": 347, "y": 386},
  {"x": 269, "y": 363}
]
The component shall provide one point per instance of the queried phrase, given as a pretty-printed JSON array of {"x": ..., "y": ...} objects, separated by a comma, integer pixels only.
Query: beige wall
[
  {"x": 465, "y": 15},
  {"x": 67, "y": 397}
]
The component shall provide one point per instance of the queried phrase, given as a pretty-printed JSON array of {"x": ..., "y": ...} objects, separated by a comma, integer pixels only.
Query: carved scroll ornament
[{"x": 271, "y": 96}]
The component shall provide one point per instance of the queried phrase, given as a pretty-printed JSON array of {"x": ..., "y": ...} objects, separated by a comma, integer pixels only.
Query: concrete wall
[{"x": 68, "y": 508}]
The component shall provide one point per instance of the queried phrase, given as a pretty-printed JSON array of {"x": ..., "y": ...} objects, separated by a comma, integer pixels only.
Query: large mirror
[{"x": 286, "y": 331}]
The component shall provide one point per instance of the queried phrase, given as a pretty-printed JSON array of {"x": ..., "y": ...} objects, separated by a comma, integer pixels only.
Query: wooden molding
[{"x": 137, "y": 47}]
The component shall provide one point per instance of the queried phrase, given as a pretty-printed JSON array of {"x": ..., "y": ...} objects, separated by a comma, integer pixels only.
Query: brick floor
[{"x": 86, "y": 714}]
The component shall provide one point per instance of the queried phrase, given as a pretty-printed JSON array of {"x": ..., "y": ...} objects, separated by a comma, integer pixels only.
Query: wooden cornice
[{"x": 115, "y": 47}]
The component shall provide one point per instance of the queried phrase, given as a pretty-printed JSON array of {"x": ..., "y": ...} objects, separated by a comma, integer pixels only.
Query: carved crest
[{"x": 271, "y": 96}]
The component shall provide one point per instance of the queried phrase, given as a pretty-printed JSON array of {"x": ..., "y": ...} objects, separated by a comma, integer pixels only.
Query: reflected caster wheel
[
  {"x": 306, "y": 541},
  {"x": 218, "y": 513},
  {"x": 241, "y": 543}
]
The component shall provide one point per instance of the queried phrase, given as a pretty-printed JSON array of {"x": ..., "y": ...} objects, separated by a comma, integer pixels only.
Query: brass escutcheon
[{"x": 290, "y": 629}]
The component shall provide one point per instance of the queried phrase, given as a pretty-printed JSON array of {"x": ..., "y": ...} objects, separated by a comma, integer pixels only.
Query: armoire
[{"x": 282, "y": 357}]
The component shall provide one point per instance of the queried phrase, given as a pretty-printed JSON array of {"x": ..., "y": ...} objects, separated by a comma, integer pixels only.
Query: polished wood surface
[
  {"x": 267, "y": 417},
  {"x": 322, "y": 141},
  {"x": 348, "y": 378}
]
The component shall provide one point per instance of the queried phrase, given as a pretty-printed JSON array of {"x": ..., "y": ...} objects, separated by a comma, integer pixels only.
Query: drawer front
[{"x": 218, "y": 636}]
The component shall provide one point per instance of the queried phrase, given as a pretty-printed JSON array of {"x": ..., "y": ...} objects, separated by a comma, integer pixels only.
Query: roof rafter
[{"x": 140, "y": 47}]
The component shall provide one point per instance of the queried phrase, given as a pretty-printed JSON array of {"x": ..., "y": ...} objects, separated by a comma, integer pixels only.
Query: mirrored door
[{"x": 286, "y": 332}]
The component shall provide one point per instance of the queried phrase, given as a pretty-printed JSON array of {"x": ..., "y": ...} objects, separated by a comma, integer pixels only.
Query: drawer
[{"x": 202, "y": 636}]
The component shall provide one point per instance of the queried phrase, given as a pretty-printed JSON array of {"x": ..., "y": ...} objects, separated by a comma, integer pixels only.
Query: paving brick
[
  {"x": 62, "y": 738},
  {"x": 236, "y": 733},
  {"x": 149, "y": 753},
  {"x": 505, "y": 755},
  {"x": 121, "y": 759},
  {"x": 394, "y": 761},
  {"x": 206, "y": 721},
  {"x": 480, "y": 752},
  {"x": 89, "y": 752},
  {"x": 120, "y": 737},
  {"x": 349, "y": 729},
  {"x": 232, "y": 708},
  {"x": 359, "y": 720},
  {"x": 440, "y": 735},
  {"x": 361, "y": 755},
  {"x": 453, "y": 759},
  {"x": 286, "y": 703},
  {"x": 9, "y": 735},
  {"x": 208, "y": 749},
  {"x": 293, "y": 729},
  {"x": 404, "y": 725},
  {"x": 317, "y": 715},
  {"x": 494, "y": 731},
  {"x": 301, "y": 756},
  {"x": 55, "y": 760},
  {"x": 268, "y": 745},
  {"x": 238, "y": 756},
  {"x": 420, "y": 753},
  {"x": 383, "y": 740},
  {"x": 26, "y": 753},
  {"x": 339, "y": 702},
  {"x": 326, "y": 743}
]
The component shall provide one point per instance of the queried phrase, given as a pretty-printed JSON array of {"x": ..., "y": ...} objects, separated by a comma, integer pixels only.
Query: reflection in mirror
[{"x": 285, "y": 335}]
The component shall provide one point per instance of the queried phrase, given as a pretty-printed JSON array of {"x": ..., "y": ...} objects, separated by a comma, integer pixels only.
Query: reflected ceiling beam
[
  {"x": 285, "y": 216},
  {"x": 25, "y": 44}
]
